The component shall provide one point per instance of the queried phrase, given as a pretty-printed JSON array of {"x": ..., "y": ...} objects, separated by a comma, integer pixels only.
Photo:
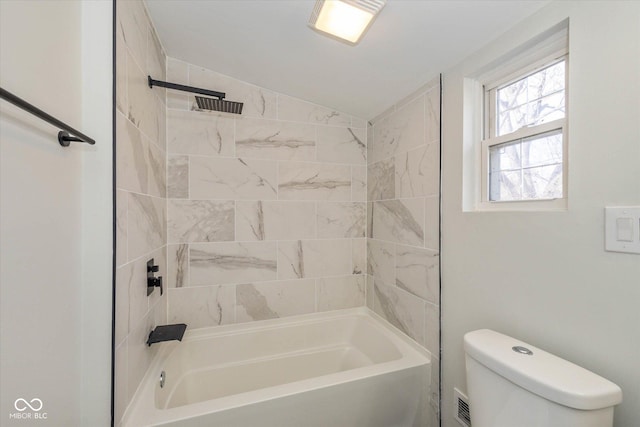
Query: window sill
[{"x": 554, "y": 205}]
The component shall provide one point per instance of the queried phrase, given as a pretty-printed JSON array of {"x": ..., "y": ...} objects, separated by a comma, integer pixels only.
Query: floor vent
[{"x": 462, "y": 414}]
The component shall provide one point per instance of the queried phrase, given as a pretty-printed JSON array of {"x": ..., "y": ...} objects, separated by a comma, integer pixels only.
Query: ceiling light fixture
[{"x": 345, "y": 19}]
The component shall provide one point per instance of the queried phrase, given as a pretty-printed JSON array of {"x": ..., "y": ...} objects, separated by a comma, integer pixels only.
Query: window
[
  {"x": 527, "y": 169},
  {"x": 525, "y": 139}
]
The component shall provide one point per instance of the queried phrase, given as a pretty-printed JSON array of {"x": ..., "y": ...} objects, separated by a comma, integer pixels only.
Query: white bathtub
[{"x": 342, "y": 368}]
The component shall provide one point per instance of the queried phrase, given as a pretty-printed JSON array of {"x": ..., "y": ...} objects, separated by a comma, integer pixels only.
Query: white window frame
[{"x": 534, "y": 61}]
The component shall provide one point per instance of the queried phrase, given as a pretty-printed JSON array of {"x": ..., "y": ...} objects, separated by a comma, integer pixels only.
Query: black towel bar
[{"x": 65, "y": 136}]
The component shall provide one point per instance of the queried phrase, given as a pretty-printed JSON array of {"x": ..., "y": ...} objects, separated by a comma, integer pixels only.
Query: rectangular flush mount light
[{"x": 345, "y": 19}]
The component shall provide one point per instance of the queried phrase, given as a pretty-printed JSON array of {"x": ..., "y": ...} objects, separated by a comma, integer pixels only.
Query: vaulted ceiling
[{"x": 268, "y": 43}]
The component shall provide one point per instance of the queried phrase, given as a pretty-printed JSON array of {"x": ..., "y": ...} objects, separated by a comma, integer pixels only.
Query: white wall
[
  {"x": 97, "y": 212},
  {"x": 55, "y": 321},
  {"x": 545, "y": 277}
]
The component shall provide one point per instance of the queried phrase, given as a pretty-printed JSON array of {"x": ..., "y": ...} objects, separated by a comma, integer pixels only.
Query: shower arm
[{"x": 152, "y": 82}]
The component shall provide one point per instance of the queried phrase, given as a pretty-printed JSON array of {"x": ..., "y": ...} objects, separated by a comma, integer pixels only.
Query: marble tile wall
[
  {"x": 290, "y": 208},
  {"x": 141, "y": 204},
  {"x": 403, "y": 192},
  {"x": 267, "y": 210}
]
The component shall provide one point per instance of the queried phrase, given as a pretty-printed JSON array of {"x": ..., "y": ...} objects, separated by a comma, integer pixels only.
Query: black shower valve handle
[
  {"x": 154, "y": 282},
  {"x": 158, "y": 283}
]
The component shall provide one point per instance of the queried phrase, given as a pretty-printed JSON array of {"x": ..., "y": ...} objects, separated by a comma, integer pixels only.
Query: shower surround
[
  {"x": 264, "y": 215},
  {"x": 267, "y": 210}
]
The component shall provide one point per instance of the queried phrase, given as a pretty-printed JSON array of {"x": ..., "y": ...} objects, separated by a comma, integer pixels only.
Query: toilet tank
[{"x": 513, "y": 384}]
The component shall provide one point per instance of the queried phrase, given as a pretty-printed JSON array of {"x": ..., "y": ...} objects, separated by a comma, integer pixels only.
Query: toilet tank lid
[{"x": 541, "y": 373}]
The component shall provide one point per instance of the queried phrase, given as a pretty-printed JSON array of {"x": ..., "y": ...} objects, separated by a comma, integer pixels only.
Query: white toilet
[{"x": 513, "y": 384}]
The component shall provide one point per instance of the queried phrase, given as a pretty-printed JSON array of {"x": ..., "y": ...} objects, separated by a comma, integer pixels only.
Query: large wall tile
[
  {"x": 417, "y": 271},
  {"x": 314, "y": 181},
  {"x": 132, "y": 279},
  {"x": 161, "y": 112},
  {"x": 146, "y": 224},
  {"x": 342, "y": 145},
  {"x": 417, "y": 172},
  {"x": 369, "y": 219},
  {"x": 381, "y": 261},
  {"x": 140, "y": 164},
  {"x": 177, "y": 266},
  {"x": 156, "y": 59},
  {"x": 269, "y": 300},
  {"x": 159, "y": 310},
  {"x": 370, "y": 294},
  {"x": 124, "y": 275},
  {"x": 400, "y": 221},
  {"x": 200, "y": 220},
  {"x": 275, "y": 220},
  {"x": 132, "y": 172},
  {"x": 359, "y": 183},
  {"x": 202, "y": 306},
  {"x": 432, "y": 223},
  {"x": 371, "y": 142},
  {"x": 233, "y": 262},
  {"x": 381, "y": 180},
  {"x": 139, "y": 354},
  {"x": 192, "y": 132},
  {"x": 121, "y": 74},
  {"x": 121, "y": 386},
  {"x": 403, "y": 310},
  {"x": 178, "y": 177},
  {"x": 213, "y": 178},
  {"x": 314, "y": 258},
  {"x": 359, "y": 256},
  {"x": 336, "y": 293},
  {"x": 132, "y": 27},
  {"x": 275, "y": 140},
  {"x": 121, "y": 227},
  {"x": 178, "y": 72},
  {"x": 297, "y": 110},
  {"x": 144, "y": 106},
  {"x": 432, "y": 108},
  {"x": 157, "y": 171},
  {"x": 432, "y": 328},
  {"x": 400, "y": 131},
  {"x": 341, "y": 219}
]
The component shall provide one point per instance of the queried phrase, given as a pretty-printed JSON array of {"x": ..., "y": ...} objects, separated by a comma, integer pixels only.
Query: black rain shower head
[
  {"x": 219, "y": 105},
  {"x": 203, "y": 103}
]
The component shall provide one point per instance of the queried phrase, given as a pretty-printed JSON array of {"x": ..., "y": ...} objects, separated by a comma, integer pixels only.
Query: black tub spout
[{"x": 167, "y": 333}]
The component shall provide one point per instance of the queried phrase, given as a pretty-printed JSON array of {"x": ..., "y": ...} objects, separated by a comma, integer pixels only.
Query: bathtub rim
[{"x": 412, "y": 355}]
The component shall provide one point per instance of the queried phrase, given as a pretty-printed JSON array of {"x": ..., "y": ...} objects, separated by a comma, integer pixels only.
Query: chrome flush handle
[{"x": 522, "y": 350}]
